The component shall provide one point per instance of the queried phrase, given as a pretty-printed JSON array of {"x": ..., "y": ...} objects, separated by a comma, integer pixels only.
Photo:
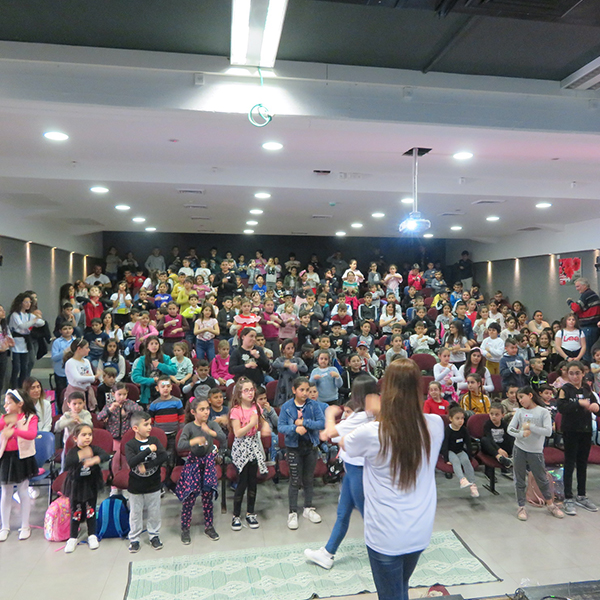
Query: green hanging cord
[{"x": 260, "y": 110}]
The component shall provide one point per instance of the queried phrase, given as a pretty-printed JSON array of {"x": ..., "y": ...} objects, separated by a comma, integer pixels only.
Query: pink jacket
[
  {"x": 140, "y": 332},
  {"x": 23, "y": 438},
  {"x": 220, "y": 368}
]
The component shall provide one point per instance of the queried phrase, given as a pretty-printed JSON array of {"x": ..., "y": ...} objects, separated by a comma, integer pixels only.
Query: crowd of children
[{"x": 284, "y": 345}]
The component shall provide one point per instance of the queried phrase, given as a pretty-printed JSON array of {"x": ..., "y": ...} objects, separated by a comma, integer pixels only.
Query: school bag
[
  {"x": 57, "y": 520},
  {"x": 534, "y": 495},
  {"x": 113, "y": 517}
]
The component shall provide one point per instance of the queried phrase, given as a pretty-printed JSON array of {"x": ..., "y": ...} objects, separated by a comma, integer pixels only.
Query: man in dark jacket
[{"x": 587, "y": 309}]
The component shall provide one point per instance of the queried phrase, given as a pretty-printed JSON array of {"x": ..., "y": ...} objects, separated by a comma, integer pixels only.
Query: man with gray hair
[{"x": 587, "y": 309}]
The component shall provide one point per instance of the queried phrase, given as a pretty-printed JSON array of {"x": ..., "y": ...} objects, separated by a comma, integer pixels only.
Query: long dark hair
[
  {"x": 15, "y": 307},
  {"x": 63, "y": 294},
  {"x": 76, "y": 343},
  {"x": 115, "y": 358},
  {"x": 28, "y": 405},
  {"x": 403, "y": 431},
  {"x": 4, "y": 324},
  {"x": 536, "y": 398},
  {"x": 460, "y": 332},
  {"x": 362, "y": 386},
  {"x": 480, "y": 369},
  {"x": 147, "y": 354}
]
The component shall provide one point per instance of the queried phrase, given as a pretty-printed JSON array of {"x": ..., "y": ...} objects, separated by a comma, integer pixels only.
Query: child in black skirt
[
  {"x": 83, "y": 482},
  {"x": 18, "y": 429}
]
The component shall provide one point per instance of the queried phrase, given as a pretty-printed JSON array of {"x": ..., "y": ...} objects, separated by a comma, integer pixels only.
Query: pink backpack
[{"x": 57, "y": 521}]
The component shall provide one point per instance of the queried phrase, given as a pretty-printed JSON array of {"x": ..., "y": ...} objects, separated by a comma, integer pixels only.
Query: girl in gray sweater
[{"x": 530, "y": 425}]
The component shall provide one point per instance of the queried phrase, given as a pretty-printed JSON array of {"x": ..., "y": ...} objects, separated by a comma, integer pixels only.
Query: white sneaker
[
  {"x": 320, "y": 557},
  {"x": 24, "y": 533},
  {"x": 93, "y": 542},
  {"x": 474, "y": 491},
  {"x": 33, "y": 493},
  {"x": 293, "y": 520},
  {"x": 312, "y": 515},
  {"x": 4, "y": 534},
  {"x": 71, "y": 545},
  {"x": 464, "y": 483}
]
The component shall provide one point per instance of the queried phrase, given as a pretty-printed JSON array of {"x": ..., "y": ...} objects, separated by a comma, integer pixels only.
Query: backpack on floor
[
  {"x": 57, "y": 520},
  {"x": 534, "y": 495},
  {"x": 113, "y": 518}
]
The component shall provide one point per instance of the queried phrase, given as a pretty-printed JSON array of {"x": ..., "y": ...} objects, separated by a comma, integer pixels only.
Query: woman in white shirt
[
  {"x": 20, "y": 323},
  {"x": 352, "y": 494},
  {"x": 34, "y": 388},
  {"x": 79, "y": 373},
  {"x": 400, "y": 450}
]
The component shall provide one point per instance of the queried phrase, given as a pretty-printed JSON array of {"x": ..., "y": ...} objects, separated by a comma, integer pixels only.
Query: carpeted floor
[{"x": 282, "y": 573}]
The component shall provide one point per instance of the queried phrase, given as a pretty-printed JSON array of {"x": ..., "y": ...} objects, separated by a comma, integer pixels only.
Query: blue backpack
[{"x": 113, "y": 518}]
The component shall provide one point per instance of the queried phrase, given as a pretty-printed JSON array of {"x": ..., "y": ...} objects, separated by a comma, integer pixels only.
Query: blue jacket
[
  {"x": 59, "y": 345},
  {"x": 314, "y": 421},
  {"x": 139, "y": 376},
  {"x": 508, "y": 364}
]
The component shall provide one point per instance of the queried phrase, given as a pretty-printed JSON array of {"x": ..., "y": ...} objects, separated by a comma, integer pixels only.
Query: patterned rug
[{"x": 282, "y": 572}]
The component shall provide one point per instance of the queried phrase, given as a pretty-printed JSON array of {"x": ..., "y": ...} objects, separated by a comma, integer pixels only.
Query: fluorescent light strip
[
  {"x": 240, "y": 31},
  {"x": 272, "y": 33}
]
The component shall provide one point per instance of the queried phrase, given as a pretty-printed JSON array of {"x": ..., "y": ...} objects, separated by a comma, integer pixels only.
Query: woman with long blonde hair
[{"x": 400, "y": 449}]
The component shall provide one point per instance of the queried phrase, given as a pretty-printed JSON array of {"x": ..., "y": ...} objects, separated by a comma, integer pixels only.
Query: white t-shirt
[
  {"x": 347, "y": 426},
  {"x": 571, "y": 340},
  {"x": 79, "y": 373},
  {"x": 102, "y": 278},
  {"x": 397, "y": 521},
  {"x": 121, "y": 308}
]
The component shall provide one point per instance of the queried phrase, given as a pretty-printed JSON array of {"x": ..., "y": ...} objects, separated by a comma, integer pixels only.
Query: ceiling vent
[
  {"x": 195, "y": 206},
  {"x": 321, "y": 217},
  {"x": 452, "y": 213},
  {"x": 321, "y": 172},
  {"x": 488, "y": 202},
  {"x": 190, "y": 191},
  {"x": 530, "y": 229},
  {"x": 299, "y": 233},
  {"x": 200, "y": 218}
]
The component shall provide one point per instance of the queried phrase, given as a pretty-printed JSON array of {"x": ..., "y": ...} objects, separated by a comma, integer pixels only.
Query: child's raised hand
[
  {"x": 155, "y": 364},
  {"x": 316, "y": 377},
  {"x": 152, "y": 447},
  {"x": 299, "y": 421},
  {"x": 85, "y": 453},
  {"x": 7, "y": 432},
  {"x": 584, "y": 402},
  {"x": 90, "y": 462}
]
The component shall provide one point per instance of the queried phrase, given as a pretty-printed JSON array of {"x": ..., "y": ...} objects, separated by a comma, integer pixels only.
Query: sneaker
[
  {"x": 555, "y": 511},
  {"x": 4, "y": 534},
  {"x": 71, "y": 545},
  {"x": 252, "y": 521},
  {"x": 236, "y": 524},
  {"x": 464, "y": 483},
  {"x": 33, "y": 493},
  {"x": 312, "y": 515},
  {"x": 211, "y": 533},
  {"x": 134, "y": 547},
  {"x": 522, "y": 514},
  {"x": 186, "y": 538},
  {"x": 24, "y": 533},
  {"x": 156, "y": 543},
  {"x": 293, "y": 520},
  {"x": 474, "y": 491},
  {"x": 585, "y": 503},
  {"x": 505, "y": 462},
  {"x": 569, "y": 507},
  {"x": 320, "y": 557},
  {"x": 93, "y": 542}
]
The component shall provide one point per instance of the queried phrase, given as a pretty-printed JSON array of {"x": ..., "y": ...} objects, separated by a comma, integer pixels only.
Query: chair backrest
[
  {"x": 381, "y": 342},
  {"x": 558, "y": 421},
  {"x": 229, "y": 391},
  {"x": 271, "y": 389},
  {"x": 497, "y": 381},
  {"x": 103, "y": 439},
  {"x": 281, "y": 437},
  {"x": 181, "y": 453},
  {"x": 426, "y": 380},
  {"x": 44, "y": 447},
  {"x": 428, "y": 302},
  {"x": 552, "y": 377},
  {"x": 133, "y": 391},
  {"x": 426, "y": 362},
  {"x": 353, "y": 343},
  {"x": 97, "y": 423},
  {"x": 432, "y": 313},
  {"x": 475, "y": 425},
  {"x": 426, "y": 292},
  {"x": 176, "y": 390}
]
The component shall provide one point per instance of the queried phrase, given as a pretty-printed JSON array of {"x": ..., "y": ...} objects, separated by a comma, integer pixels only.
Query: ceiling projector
[{"x": 414, "y": 223}]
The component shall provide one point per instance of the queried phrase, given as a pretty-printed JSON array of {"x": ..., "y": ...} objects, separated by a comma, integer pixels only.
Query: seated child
[
  {"x": 513, "y": 369},
  {"x": 475, "y": 402},
  {"x": 272, "y": 418},
  {"x": 495, "y": 441},
  {"x": 511, "y": 402},
  {"x": 104, "y": 393},
  {"x": 219, "y": 413},
  {"x": 456, "y": 449},
  {"x": 435, "y": 404},
  {"x": 325, "y": 346},
  {"x": 366, "y": 336},
  {"x": 199, "y": 474},
  {"x": 537, "y": 376},
  {"x": 339, "y": 341},
  {"x": 144, "y": 454},
  {"x": 563, "y": 378},
  {"x": 396, "y": 330},
  {"x": 397, "y": 347},
  {"x": 201, "y": 382},
  {"x": 97, "y": 339},
  {"x": 307, "y": 354},
  {"x": 369, "y": 363},
  {"x": 76, "y": 415},
  {"x": 288, "y": 367},
  {"x": 351, "y": 372},
  {"x": 117, "y": 414},
  {"x": 219, "y": 368},
  {"x": 420, "y": 342}
]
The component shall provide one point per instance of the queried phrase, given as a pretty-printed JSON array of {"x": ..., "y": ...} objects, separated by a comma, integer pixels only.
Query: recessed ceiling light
[
  {"x": 99, "y": 189},
  {"x": 456, "y": 227},
  {"x": 356, "y": 225},
  {"x": 256, "y": 211},
  {"x": 407, "y": 200},
  {"x": 378, "y": 215},
  {"x": 56, "y": 136},
  {"x": 251, "y": 222},
  {"x": 463, "y": 155},
  {"x": 139, "y": 219},
  {"x": 150, "y": 228},
  {"x": 340, "y": 233},
  {"x": 428, "y": 235},
  {"x": 262, "y": 195},
  {"x": 543, "y": 205},
  {"x": 272, "y": 146},
  {"x": 248, "y": 230},
  {"x": 122, "y": 207},
  {"x": 492, "y": 218}
]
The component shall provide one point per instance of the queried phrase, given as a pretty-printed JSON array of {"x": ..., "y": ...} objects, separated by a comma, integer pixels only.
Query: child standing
[
  {"x": 300, "y": 420},
  {"x": 513, "y": 369},
  {"x": 84, "y": 480},
  {"x": 327, "y": 378},
  {"x": 76, "y": 415},
  {"x": 289, "y": 367},
  {"x": 147, "y": 368},
  {"x": 511, "y": 402},
  {"x": 79, "y": 372},
  {"x": 530, "y": 426},
  {"x": 167, "y": 414},
  {"x": 118, "y": 414},
  {"x": 144, "y": 454},
  {"x": 59, "y": 346},
  {"x": 206, "y": 329},
  {"x": 455, "y": 450},
  {"x": 576, "y": 403},
  {"x": 247, "y": 451},
  {"x": 199, "y": 475},
  {"x": 181, "y": 360},
  {"x": 219, "y": 368},
  {"x": 18, "y": 429},
  {"x": 392, "y": 281},
  {"x": 272, "y": 418}
]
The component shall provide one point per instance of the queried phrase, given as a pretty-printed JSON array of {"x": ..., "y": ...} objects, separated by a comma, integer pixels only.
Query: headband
[{"x": 16, "y": 394}]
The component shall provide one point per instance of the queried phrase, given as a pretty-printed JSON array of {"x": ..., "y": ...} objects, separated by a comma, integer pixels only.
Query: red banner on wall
[{"x": 569, "y": 270}]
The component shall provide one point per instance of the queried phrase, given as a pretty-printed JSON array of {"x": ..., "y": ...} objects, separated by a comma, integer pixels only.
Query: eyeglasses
[{"x": 247, "y": 391}]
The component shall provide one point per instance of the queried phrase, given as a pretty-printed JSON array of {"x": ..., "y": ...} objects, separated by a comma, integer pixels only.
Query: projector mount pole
[{"x": 415, "y": 177}]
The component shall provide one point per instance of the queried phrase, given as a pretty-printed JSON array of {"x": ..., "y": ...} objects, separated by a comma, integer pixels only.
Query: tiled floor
[{"x": 544, "y": 550}]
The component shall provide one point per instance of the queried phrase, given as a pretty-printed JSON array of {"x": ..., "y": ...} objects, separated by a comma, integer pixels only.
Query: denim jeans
[
  {"x": 20, "y": 369},
  {"x": 392, "y": 573},
  {"x": 205, "y": 349},
  {"x": 352, "y": 496},
  {"x": 591, "y": 336}
]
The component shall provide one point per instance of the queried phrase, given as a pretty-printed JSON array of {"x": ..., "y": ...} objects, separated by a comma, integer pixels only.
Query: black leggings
[
  {"x": 489, "y": 447},
  {"x": 577, "y": 451},
  {"x": 84, "y": 511},
  {"x": 302, "y": 462},
  {"x": 247, "y": 479}
]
